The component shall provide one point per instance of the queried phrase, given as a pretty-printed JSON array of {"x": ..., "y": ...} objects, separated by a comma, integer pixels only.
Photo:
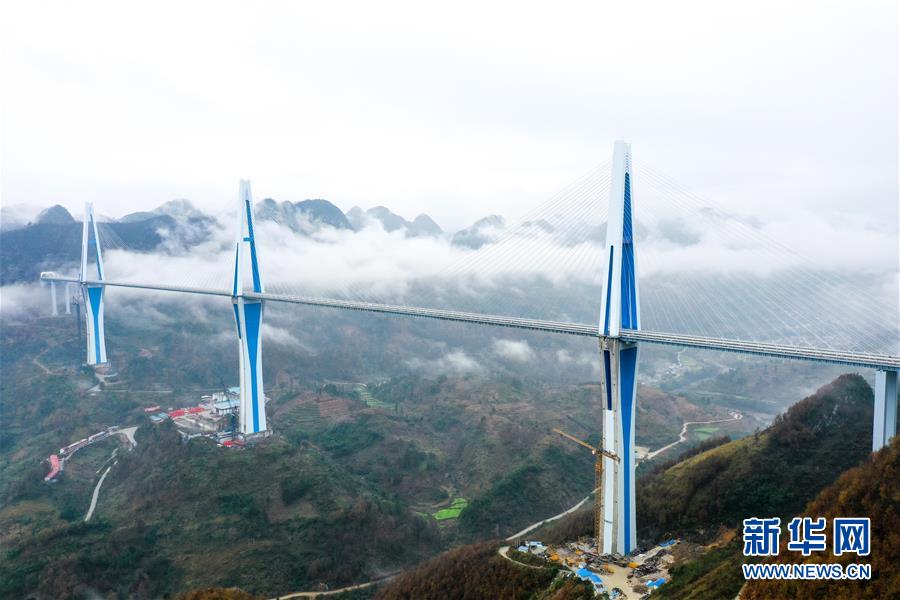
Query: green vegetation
[
  {"x": 152, "y": 518},
  {"x": 453, "y": 511},
  {"x": 775, "y": 474},
  {"x": 704, "y": 433},
  {"x": 715, "y": 574},
  {"x": 869, "y": 489},
  {"x": 512, "y": 502}
]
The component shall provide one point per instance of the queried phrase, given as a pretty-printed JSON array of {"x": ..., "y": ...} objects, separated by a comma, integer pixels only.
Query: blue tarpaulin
[{"x": 589, "y": 575}]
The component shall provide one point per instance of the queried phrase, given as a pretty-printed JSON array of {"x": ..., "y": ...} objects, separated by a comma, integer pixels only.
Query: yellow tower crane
[{"x": 600, "y": 453}]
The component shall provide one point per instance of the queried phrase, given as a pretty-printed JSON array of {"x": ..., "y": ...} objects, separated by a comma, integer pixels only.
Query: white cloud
[
  {"x": 457, "y": 112},
  {"x": 455, "y": 361},
  {"x": 564, "y": 357},
  {"x": 514, "y": 350},
  {"x": 460, "y": 113},
  {"x": 282, "y": 337},
  {"x": 26, "y": 299},
  {"x": 549, "y": 278}
]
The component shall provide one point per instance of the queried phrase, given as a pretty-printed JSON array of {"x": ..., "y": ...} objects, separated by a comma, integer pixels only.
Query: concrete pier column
[
  {"x": 53, "y": 310},
  {"x": 884, "y": 425}
]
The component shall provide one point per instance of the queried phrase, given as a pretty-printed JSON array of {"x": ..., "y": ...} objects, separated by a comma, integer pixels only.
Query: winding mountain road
[
  {"x": 534, "y": 526},
  {"x": 128, "y": 434},
  {"x": 90, "y": 512},
  {"x": 504, "y": 552},
  {"x": 349, "y": 588},
  {"x": 735, "y": 416}
]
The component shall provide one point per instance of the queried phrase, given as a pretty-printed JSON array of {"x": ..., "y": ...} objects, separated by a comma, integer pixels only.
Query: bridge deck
[{"x": 857, "y": 359}]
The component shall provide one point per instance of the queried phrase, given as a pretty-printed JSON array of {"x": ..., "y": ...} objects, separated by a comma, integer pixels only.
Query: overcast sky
[{"x": 458, "y": 110}]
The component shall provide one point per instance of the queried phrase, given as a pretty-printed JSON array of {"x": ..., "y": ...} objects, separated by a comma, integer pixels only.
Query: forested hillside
[
  {"x": 869, "y": 490},
  {"x": 772, "y": 473},
  {"x": 477, "y": 571},
  {"x": 358, "y": 479},
  {"x": 776, "y": 473}
]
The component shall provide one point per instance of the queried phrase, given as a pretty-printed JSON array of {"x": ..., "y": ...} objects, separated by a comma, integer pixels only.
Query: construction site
[
  {"x": 214, "y": 417},
  {"x": 636, "y": 575},
  {"x": 617, "y": 577}
]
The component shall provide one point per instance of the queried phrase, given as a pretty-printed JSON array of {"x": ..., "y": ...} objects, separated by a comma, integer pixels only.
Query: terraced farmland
[
  {"x": 452, "y": 512},
  {"x": 363, "y": 393}
]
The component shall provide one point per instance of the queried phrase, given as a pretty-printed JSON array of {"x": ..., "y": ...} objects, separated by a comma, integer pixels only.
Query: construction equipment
[{"x": 600, "y": 453}]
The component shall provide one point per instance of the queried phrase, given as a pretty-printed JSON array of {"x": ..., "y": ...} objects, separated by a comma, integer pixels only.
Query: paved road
[
  {"x": 38, "y": 363},
  {"x": 683, "y": 436},
  {"x": 128, "y": 432},
  {"x": 503, "y": 550},
  {"x": 90, "y": 512},
  {"x": 737, "y": 416},
  {"x": 350, "y": 588},
  {"x": 534, "y": 526}
]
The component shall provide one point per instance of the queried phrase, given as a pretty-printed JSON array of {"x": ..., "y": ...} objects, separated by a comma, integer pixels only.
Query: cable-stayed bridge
[
  {"x": 620, "y": 329},
  {"x": 823, "y": 355}
]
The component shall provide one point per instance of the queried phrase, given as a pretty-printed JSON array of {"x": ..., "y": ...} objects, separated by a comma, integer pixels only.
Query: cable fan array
[{"x": 703, "y": 269}]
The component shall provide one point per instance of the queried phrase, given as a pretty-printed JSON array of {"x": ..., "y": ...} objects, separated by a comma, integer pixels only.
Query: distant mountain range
[
  {"x": 302, "y": 217},
  {"x": 52, "y": 238},
  {"x": 421, "y": 226}
]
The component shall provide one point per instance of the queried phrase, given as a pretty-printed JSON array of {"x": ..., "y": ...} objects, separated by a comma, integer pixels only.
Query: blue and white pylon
[
  {"x": 619, "y": 309},
  {"x": 248, "y": 315},
  {"x": 92, "y": 294}
]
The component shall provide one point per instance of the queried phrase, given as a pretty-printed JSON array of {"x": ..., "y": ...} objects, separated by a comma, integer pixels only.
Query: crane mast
[{"x": 600, "y": 454}]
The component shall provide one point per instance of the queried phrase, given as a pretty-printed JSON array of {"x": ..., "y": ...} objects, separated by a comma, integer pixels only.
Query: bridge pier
[
  {"x": 616, "y": 530},
  {"x": 68, "y": 298},
  {"x": 884, "y": 425},
  {"x": 617, "y": 521},
  {"x": 53, "y": 309}
]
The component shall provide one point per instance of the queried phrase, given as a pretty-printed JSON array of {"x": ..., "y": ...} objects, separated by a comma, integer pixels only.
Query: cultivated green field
[
  {"x": 704, "y": 433},
  {"x": 453, "y": 511}
]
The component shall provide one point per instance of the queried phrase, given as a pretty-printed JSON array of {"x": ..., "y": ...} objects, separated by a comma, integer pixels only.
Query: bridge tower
[
  {"x": 619, "y": 309},
  {"x": 248, "y": 313},
  {"x": 92, "y": 294}
]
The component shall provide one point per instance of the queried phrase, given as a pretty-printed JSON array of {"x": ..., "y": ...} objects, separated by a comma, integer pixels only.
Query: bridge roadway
[{"x": 855, "y": 359}]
